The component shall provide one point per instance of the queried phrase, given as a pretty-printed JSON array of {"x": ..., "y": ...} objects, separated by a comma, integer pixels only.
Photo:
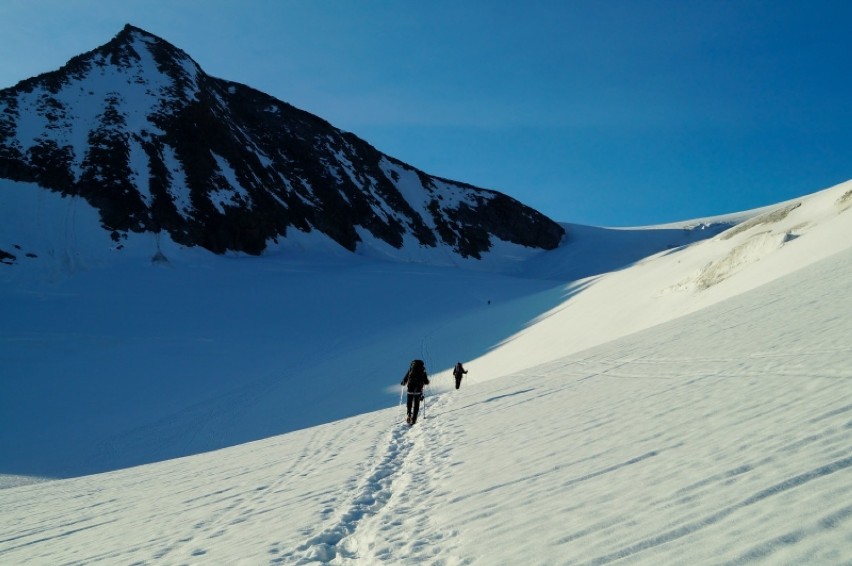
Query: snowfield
[{"x": 689, "y": 407}]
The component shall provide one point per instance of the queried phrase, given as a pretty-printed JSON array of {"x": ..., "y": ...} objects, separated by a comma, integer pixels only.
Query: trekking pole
[{"x": 423, "y": 401}]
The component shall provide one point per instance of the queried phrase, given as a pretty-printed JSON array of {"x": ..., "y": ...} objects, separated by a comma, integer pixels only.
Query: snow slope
[
  {"x": 771, "y": 244},
  {"x": 721, "y": 435},
  {"x": 695, "y": 407}
]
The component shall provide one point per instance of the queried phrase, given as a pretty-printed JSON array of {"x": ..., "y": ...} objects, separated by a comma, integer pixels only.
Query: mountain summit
[{"x": 143, "y": 134}]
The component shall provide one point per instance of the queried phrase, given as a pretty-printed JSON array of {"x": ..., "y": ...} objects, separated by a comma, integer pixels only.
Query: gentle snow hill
[
  {"x": 593, "y": 250},
  {"x": 114, "y": 358},
  {"x": 773, "y": 243},
  {"x": 719, "y": 432}
]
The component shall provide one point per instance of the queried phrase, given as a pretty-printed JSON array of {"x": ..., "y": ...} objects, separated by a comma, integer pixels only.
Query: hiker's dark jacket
[{"x": 415, "y": 378}]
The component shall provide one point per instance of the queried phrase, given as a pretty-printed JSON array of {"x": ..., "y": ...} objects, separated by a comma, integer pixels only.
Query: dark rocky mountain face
[{"x": 137, "y": 129}]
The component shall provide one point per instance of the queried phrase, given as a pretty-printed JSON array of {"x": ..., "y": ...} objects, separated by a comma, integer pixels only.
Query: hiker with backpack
[
  {"x": 415, "y": 378},
  {"x": 458, "y": 372}
]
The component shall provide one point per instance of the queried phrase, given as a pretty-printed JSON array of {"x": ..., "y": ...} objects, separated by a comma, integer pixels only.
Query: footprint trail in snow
[{"x": 385, "y": 519}]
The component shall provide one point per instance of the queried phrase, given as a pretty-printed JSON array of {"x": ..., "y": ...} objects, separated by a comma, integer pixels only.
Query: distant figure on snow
[
  {"x": 458, "y": 372},
  {"x": 415, "y": 378}
]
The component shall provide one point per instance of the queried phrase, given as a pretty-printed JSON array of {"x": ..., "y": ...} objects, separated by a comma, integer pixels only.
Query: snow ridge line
[{"x": 336, "y": 541}]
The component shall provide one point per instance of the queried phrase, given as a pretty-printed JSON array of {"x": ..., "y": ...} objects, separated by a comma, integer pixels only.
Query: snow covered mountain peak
[{"x": 140, "y": 132}]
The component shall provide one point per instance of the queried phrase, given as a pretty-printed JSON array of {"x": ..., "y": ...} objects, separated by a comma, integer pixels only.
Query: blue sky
[{"x": 605, "y": 112}]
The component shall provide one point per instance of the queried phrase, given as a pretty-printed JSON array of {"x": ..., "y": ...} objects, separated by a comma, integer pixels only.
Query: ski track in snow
[{"x": 383, "y": 522}]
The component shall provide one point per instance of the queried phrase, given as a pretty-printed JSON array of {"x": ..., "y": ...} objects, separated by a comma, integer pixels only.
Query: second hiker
[{"x": 458, "y": 372}]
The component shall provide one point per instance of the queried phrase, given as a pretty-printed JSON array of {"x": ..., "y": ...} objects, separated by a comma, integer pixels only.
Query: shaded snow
[{"x": 232, "y": 195}]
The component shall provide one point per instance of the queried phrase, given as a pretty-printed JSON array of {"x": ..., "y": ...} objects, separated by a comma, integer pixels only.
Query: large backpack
[{"x": 417, "y": 374}]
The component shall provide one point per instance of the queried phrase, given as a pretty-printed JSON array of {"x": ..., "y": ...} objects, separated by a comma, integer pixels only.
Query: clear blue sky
[{"x": 606, "y": 112}]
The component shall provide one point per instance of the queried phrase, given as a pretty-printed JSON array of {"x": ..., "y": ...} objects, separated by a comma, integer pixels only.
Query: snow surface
[{"x": 691, "y": 406}]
